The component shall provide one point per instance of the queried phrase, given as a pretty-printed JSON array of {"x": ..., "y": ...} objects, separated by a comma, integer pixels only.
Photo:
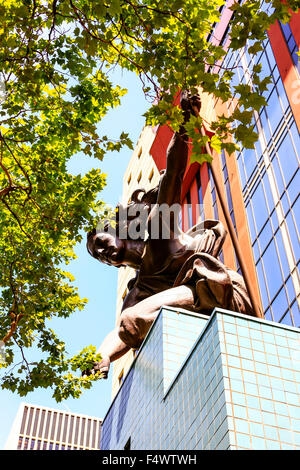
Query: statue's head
[
  {"x": 109, "y": 244},
  {"x": 105, "y": 247}
]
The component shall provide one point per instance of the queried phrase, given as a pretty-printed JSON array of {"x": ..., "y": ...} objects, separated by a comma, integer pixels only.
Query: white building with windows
[{"x": 42, "y": 428}]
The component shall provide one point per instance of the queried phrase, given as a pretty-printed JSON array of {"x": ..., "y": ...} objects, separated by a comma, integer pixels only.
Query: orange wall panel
[{"x": 287, "y": 70}]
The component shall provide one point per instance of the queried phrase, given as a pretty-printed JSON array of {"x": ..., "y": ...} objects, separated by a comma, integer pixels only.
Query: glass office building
[
  {"x": 261, "y": 185},
  {"x": 228, "y": 381}
]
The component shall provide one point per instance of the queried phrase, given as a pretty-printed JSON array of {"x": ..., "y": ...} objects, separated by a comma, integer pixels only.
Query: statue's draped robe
[{"x": 214, "y": 284}]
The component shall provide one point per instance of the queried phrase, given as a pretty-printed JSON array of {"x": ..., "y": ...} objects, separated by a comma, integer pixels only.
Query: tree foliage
[{"x": 55, "y": 63}]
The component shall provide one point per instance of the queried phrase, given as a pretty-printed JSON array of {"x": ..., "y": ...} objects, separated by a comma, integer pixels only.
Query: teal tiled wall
[{"x": 227, "y": 382}]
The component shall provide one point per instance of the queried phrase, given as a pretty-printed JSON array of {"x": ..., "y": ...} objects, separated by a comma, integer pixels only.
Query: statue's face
[{"x": 106, "y": 248}]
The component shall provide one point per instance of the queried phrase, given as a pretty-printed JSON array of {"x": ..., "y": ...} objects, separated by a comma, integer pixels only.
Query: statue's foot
[{"x": 102, "y": 367}]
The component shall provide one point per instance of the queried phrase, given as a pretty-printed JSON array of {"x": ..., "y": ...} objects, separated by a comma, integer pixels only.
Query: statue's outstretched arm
[{"x": 177, "y": 155}]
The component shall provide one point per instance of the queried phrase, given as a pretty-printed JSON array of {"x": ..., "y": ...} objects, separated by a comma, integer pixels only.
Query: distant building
[{"x": 42, "y": 428}]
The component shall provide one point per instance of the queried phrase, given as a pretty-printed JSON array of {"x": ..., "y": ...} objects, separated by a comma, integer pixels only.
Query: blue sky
[{"x": 95, "y": 281}]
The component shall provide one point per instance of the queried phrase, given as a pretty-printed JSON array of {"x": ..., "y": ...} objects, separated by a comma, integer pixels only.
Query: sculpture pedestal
[{"x": 222, "y": 382}]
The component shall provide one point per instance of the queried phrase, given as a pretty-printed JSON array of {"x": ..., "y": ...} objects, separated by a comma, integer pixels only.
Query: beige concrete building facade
[{"x": 140, "y": 173}]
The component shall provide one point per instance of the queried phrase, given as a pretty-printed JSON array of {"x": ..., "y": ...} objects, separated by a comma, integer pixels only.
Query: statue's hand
[
  {"x": 102, "y": 366},
  {"x": 190, "y": 104}
]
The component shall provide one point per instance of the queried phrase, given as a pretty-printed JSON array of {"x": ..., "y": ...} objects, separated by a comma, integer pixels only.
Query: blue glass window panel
[
  {"x": 278, "y": 176},
  {"x": 268, "y": 192},
  {"x": 259, "y": 147},
  {"x": 274, "y": 219},
  {"x": 287, "y": 319},
  {"x": 293, "y": 189},
  {"x": 270, "y": 56},
  {"x": 290, "y": 290},
  {"x": 256, "y": 251},
  {"x": 292, "y": 43},
  {"x": 296, "y": 209},
  {"x": 270, "y": 86},
  {"x": 295, "y": 57},
  {"x": 260, "y": 209},
  {"x": 276, "y": 74},
  {"x": 274, "y": 110},
  {"x": 262, "y": 285},
  {"x": 223, "y": 158},
  {"x": 242, "y": 171},
  {"x": 235, "y": 81},
  {"x": 272, "y": 270},
  {"x": 268, "y": 315},
  {"x": 228, "y": 193},
  {"x": 216, "y": 215},
  {"x": 265, "y": 68},
  {"x": 296, "y": 314},
  {"x": 293, "y": 235},
  {"x": 250, "y": 161},
  {"x": 296, "y": 137},
  {"x": 285, "y": 203},
  {"x": 265, "y": 125},
  {"x": 282, "y": 94},
  {"x": 282, "y": 254},
  {"x": 288, "y": 158},
  {"x": 265, "y": 236},
  {"x": 280, "y": 305},
  {"x": 199, "y": 187},
  {"x": 286, "y": 30},
  {"x": 251, "y": 222}
]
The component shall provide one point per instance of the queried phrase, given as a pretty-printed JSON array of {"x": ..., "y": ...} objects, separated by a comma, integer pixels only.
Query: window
[
  {"x": 64, "y": 437},
  {"x": 228, "y": 190},
  {"x": 121, "y": 378},
  {"x": 53, "y": 425},
  {"x": 124, "y": 294},
  {"x": 213, "y": 194},
  {"x": 77, "y": 430},
  {"x": 129, "y": 179},
  {"x": 59, "y": 427},
  {"x": 200, "y": 196},
  {"x": 47, "y": 424},
  {"x": 189, "y": 209},
  {"x": 20, "y": 443},
  {"x": 24, "y": 419},
  {"x": 36, "y": 418},
  {"x": 29, "y": 421},
  {"x": 83, "y": 423},
  {"x": 151, "y": 175},
  {"x": 42, "y": 423},
  {"x": 269, "y": 178},
  {"x": 139, "y": 177},
  {"x": 140, "y": 152}
]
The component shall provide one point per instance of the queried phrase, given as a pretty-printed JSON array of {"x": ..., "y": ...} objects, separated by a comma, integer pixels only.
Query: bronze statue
[{"x": 182, "y": 270}]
